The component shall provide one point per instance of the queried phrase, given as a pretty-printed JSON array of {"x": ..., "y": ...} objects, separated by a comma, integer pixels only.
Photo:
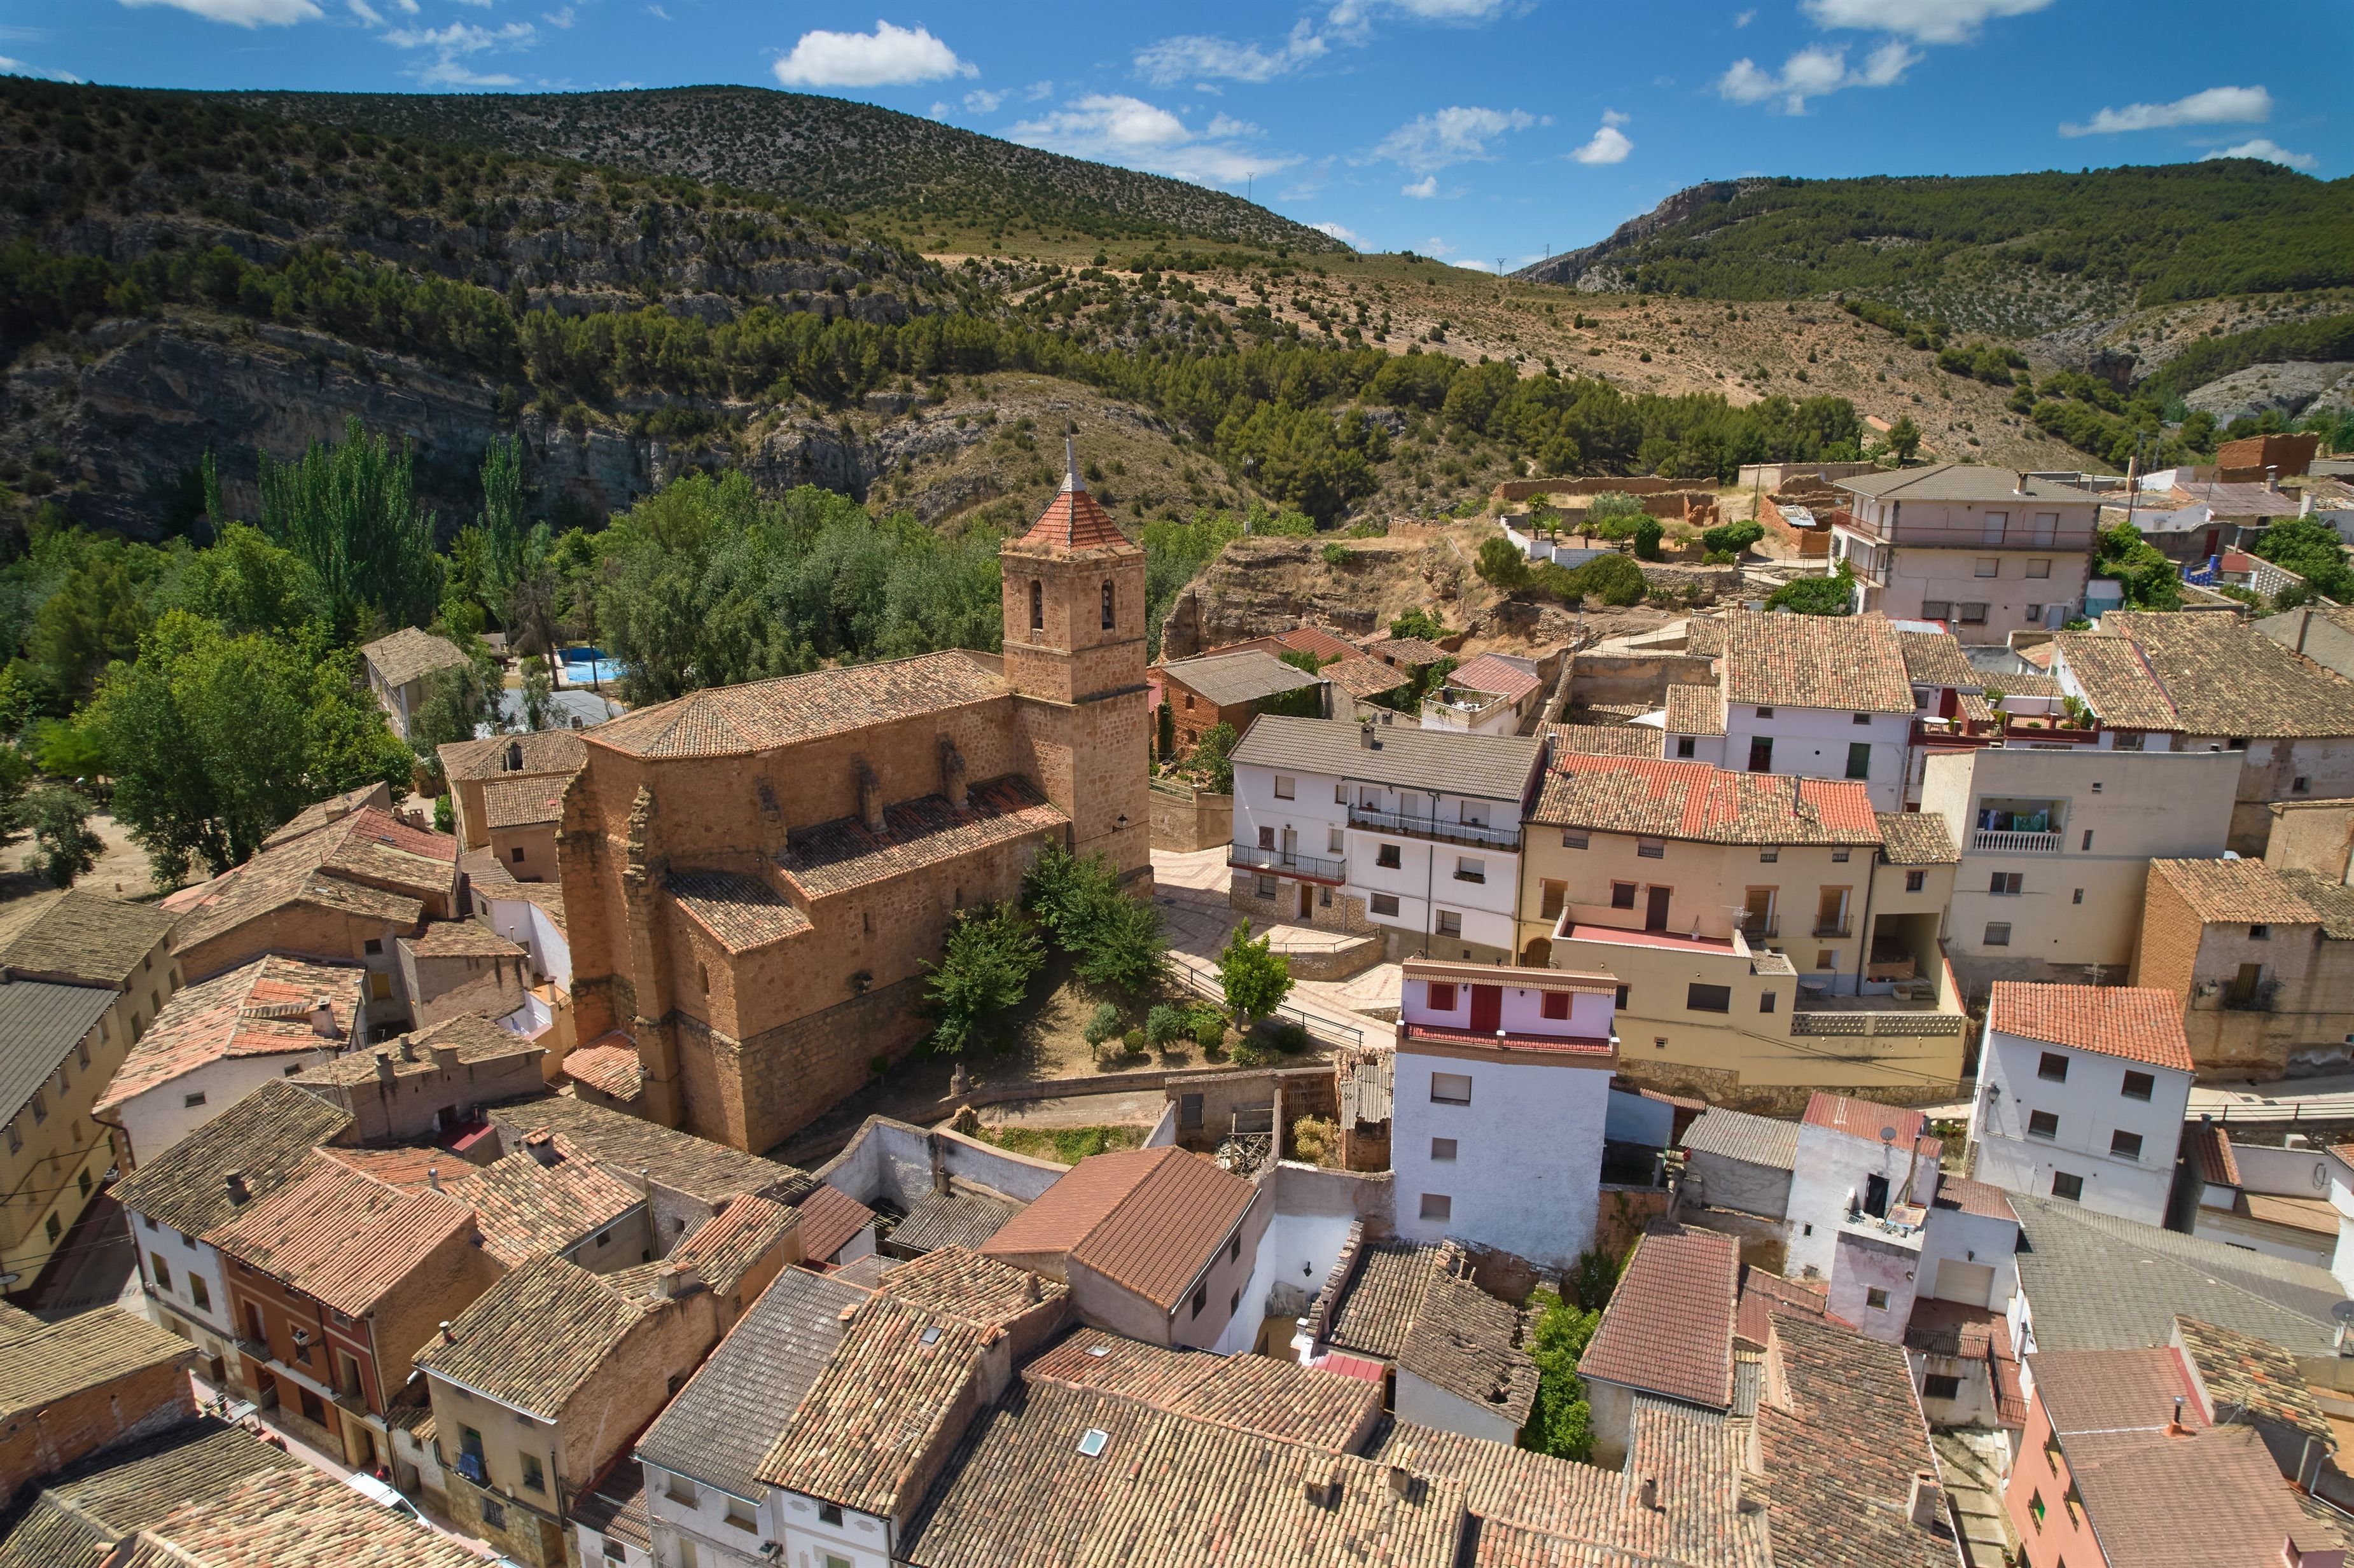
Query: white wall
[
  {"x": 530, "y": 927},
  {"x": 1431, "y": 1405},
  {"x": 160, "y": 1117},
  {"x": 1865, "y": 1258},
  {"x": 793, "y": 1518},
  {"x": 1813, "y": 743},
  {"x": 1296, "y": 1250},
  {"x": 186, "y": 1258},
  {"x": 1528, "y": 1166},
  {"x": 704, "y": 1521},
  {"x": 1521, "y": 1011},
  {"x": 1831, "y": 1165},
  {"x": 1969, "y": 1239},
  {"x": 2090, "y": 1105}
]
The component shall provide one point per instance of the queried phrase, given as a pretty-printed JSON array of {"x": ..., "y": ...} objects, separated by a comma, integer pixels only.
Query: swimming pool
[{"x": 587, "y": 667}]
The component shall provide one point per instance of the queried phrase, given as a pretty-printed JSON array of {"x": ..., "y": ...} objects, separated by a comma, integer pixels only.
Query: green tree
[
  {"x": 244, "y": 581},
  {"x": 350, "y": 512},
  {"x": 95, "y": 616},
  {"x": 2147, "y": 579},
  {"x": 1116, "y": 939},
  {"x": 1561, "y": 1422},
  {"x": 984, "y": 970},
  {"x": 538, "y": 694},
  {"x": 1502, "y": 565},
  {"x": 1418, "y": 622},
  {"x": 458, "y": 699},
  {"x": 2309, "y": 547},
  {"x": 1213, "y": 754},
  {"x": 64, "y": 848},
  {"x": 15, "y": 772},
  {"x": 1254, "y": 978},
  {"x": 1905, "y": 438},
  {"x": 1830, "y": 595}
]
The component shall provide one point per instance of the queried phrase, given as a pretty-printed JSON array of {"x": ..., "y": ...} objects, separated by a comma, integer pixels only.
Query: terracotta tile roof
[
  {"x": 1696, "y": 801},
  {"x": 2116, "y": 680},
  {"x": 1073, "y": 521},
  {"x": 1738, "y": 1135},
  {"x": 79, "y": 937},
  {"x": 42, "y": 1364},
  {"x": 951, "y": 1219},
  {"x": 368, "y": 863},
  {"x": 1412, "y": 651},
  {"x": 409, "y": 652},
  {"x": 1917, "y": 838},
  {"x": 2212, "y": 1500},
  {"x": 725, "y": 1248},
  {"x": 1604, "y": 740},
  {"x": 1705, "y": 636},
  {"x": 1964, "y": 1196},
  {"x": 1975, "y": 1334},
  {"x": 1842, "y": 1449},
  {"x": 890, "y": 1396},
  {"x": 292, "y": 1518},
  {"x": 264, "y": 1009},
  {"x": 474, "y": 1039},
  {"x": 536, "y": 1336},
  {"x": 760, "y": 716},
  {"x": 1763, "y": 1294},
  {"x": 1494, "y": 673},
  {"x": 1373, "y": 1305},
  {"x": 407, "y": 1165},
  {"x": 2253, "y": 892},
  {"x": 609, "y": 1064},
  {"x": 925, "y": 831},
  {"x": 1468, "y": 1343},
  {"x": 1165, "y": 1491},
  {"x": 543, "y": 1198},
  {"x": 487, "y": 872},
  {"x": 266, "y": 1138},
  {"x": 1863, "y": 1119},
  {"x": 741, "y": 913},
  {"x": 2240, "y": 1372},
  {"x": 830, "y": 1218},
  {"x": 90, "y": 1505},
  {"x": 2223, "y": 678},
  {"x": 1317, "y": 641},
  {"x": 2207, "y": 1148},
  {"x": 544, "y": 753},
  {"x": 978, "y": 1290},
  {"x": 1847, "y": 663},
  {"x": 1935, "y": 659},
  {"x": 1146, "y": 1219},
  {"x": 2140, "y": 1024},
  {"x": 333, "y": 809},
  {"x": 720, "y": 1425},
  {"x": 340, "y": 1236},
  {"x": 1668, "y": 1327},
  {"x": 1230, "y": 680},
  {"x": 1364, "y": 678},
  {"x": 523, "y": 802},
  {"x": 627, "y": 1144},
  {"x": 461, "y": 940},
  {"x": 2019, "y": 683},
  {"x": 1248, "y": 1392},
  {"x": 1695, "y": 710}
]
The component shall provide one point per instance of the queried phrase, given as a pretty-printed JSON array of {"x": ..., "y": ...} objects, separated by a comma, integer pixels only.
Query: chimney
[
  {"x": 238, "y": 1191},
  {"x": 540, "y": 1144},
  {"x": 2272, "y": 478},
  {"x": 445, "y": 1060},
  {"x": 1365, "y": 735},
  {"x": 1322, "y": 1480},
  {"x": 2304, "y": 504},
  {"x": 2174, "y": 1428},
  {"x": 384, "y": 1069},
  {"x": 676, "y": 1280},
  {"x": 870, "y": 794},
  {"x": 409, "y": 1048},
  {"x": 2022, "y": 484},
  {"x": 1928, "y": 1503},
  {"x": 846, "y": 1314},
  {"x": 447, "y": 1337},
  {"x": 1650, "y": 1494},
  {"x": 1401, "y": 1479},
  {"x": 1031, "y": 1289},
  {"x": 322, "y": 1019}
]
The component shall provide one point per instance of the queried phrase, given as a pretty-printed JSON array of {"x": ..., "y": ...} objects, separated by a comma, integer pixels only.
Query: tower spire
[{"x": 1071, "y": 465}]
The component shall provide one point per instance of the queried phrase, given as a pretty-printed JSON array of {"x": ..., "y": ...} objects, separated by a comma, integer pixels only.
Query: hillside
[
  {"x": 946, "y": 185},
  {"x": 2009, "y": 254}
]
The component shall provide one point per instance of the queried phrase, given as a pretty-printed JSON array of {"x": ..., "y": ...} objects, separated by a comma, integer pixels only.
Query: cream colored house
[{"x": 1986, "y": 551}]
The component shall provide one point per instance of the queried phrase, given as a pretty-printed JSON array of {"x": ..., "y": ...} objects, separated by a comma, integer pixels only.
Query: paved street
[{"x": 1190, "y": 890}]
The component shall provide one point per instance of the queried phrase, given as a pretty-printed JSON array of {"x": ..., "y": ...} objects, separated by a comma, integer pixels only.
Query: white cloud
[
  {"x": 658, "y": 14},
  {"x": 1117, "y": 128},
  {"x": 1612, "y": 117},
  {"x": 1923, "y": 21},
  {"x": 887, "y": 57},
  {"x": 2215, "y": 106},
  {"x": 938, "y": 110},
  {"x": 364, "y": 12},
  {"x": 1038, "y": 89},
  {"x": 484, "y": 5},
  {"x": 1225, "y": 125},
  {"x": 452, "y": 45},
  {"x": 1188, "y": 56},
  {"x": 1743, "y": 18},
  {"x": 980, "y": 101},
  {"x": 1339, "y": 232},
  {"x": 1813, "y": 71},
  {"x": 1608, "y": 145},
  {"x": 1354, "y": 13},
  {"x": 22, "y": 68},
  {"x": 1453, "y": 136},
  {"x": 2264, "y": 147},
  {"x": 1435, "y": 246},
  {"x": 559, "y": 20},
  {"x": 243, "y": 13},
  {"x": 1422, "y": 189}
]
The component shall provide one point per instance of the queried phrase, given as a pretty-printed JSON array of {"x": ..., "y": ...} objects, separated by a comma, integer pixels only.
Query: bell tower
[{"x": 1074, "y": 607}]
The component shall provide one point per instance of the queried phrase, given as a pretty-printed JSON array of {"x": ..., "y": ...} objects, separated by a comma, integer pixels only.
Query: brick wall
[{"x": 40, "y": 1443}]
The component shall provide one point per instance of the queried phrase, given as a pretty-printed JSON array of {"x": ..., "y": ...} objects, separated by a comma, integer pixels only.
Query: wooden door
[
  {"x": 1487, "y": 1009},
  {"x": 1655, "y": 912}
]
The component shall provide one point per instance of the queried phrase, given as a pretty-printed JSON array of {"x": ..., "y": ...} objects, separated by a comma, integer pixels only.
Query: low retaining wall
[
  {"x": 1634, "y": 677},
  {"x": 1189, "y": 819}
]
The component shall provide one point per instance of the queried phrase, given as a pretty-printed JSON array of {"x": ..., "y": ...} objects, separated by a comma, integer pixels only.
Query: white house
[
  {"x": 2082, "y": 1091},
  {"x": 1502, "y": 1093},
  {"x": 1413, "y": 834},
  {"x": 2279, "y": 1200},
  {"x": 1861, "y": 1180}
]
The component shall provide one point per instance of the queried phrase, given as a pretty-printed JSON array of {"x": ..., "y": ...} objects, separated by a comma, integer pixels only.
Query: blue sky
[{"x": 1466, "y": 129}]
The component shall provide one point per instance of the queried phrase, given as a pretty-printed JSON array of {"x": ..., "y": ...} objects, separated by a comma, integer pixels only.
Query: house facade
[
  {"x": 396, "y": 669},
  {"x": 2259, "y": 960},
  {"x": 1985, "y": 551}
]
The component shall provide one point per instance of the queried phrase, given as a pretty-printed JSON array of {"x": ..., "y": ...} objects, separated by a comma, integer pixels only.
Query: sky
[{"x": 1474, "y": 131}]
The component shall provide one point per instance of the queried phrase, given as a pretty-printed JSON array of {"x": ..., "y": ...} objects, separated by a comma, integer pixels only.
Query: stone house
[
  {"x": 83, "y": 1384},
  {"x": 219, "y": 1039},
  {"x": 2313, "y": 835},
  {"x": 397, "y": 667},
  {"x": 429, "y": 1083},
  {"x": 2259, "y": 961},
  {"x": 455, "y": 967},
  {"x": 1492, "y": 694},
  {"x": 1984, "y": 550},
  {"x": 522, "y": 764},
  {"x": 757, "y": 877},
  {"x": 1409, "y": 1316},
  {"x": 520, "y": 816},
  {"x": 1232, "y": 689}
]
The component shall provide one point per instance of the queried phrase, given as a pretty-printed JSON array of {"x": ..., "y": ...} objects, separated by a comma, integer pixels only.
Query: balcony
[
  {"x": 1288, "y": 863},
  {"x": 1761, "y": 931},
  {"x": 1434, "y": 828},
  {"x": 471, "y": 1467},
  {"x": 2001, "y": 842},
  {"x": 1480, "y": 876},
  {"x": 1840, "y": 928}
]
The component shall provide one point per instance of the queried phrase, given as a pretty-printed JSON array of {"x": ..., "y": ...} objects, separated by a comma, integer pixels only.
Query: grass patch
[{"x": 1066, "y": 1144}]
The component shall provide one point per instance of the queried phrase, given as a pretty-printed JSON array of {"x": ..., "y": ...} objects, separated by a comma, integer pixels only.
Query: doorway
[
  {"x": 1655, "y": 908},
  {"x": 1307, "y": 902},
  {"x": 1875, "y": 1196},
  {"x": 1487, "y": 1009}
]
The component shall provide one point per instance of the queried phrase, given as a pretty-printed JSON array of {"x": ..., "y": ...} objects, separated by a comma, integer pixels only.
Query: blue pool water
[{"x": 589, "y": 666}]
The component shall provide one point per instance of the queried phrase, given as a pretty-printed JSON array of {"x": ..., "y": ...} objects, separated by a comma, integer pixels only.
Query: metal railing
[
  {"x": 1886, "y": 1025},
  {"x": 1434, "y": 828},
  {"x": 1761, "y": 931},
  {"x": 2016, "y": 844},
  {"x": 1317, "y": 1028},
  {"x": 1834, "y": 928},
  {"x": 1252, "y": 857}
]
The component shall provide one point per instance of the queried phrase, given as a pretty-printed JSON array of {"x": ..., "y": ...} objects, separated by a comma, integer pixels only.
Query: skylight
[{"x": 1092, "y": 1442}]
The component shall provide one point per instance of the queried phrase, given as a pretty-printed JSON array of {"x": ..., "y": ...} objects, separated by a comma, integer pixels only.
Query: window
[
  {"x": 1385, "y": 904},
  {"x": 1037, "y": 605},
  {"x": 2126, "y": 1144},
  {"x": 515, "y": 854},
  {"x": 494, "y": 1515},
  {"x": 1266, "y": 886},
  {"x": 2086, "y": 847},
  {"x": 1110, "y": 619},
  {"x": 53, "y": 1229},
  {"x": 1442, "y": 1148},
  {"x": 1622, "y": 896},
  {"x": 1573, "y": 838},
  {"x": 1998, "y": 933},
  {"x": 1859, "y": 758},
  {"x": 834, "y": 1562},
  {"x": 614, "y": 1551},
  {"x": 681, "y": 1489},
  {"x": 1987, "y": 567},
  {"x": 1971, "y": 614},
  {"x": 534, "y": 1478},
  {"x": 1687, "y": 747},
  {"x": 1551, "y": 896},
  {"x": 1766, "y": 1001},
  {"x": 1450, "y": 1089},
  {"x": 1442, "y": 995},
  {"x": 2078, "y": 897},
  {"x": 1201, "y": 1297},
  {"x": 1699, "y": 998},
  {"x": 2052, "y": 1068},
  {"x": 2298, "y": 787},
  {"x": 16, "y": 1142},
  {"x": 1768, "y": 856},
  {"x": 163, "y": 1271},
  {"x": 2042, "y": 1124},
  {"x": 1994, "y": 522},
  {"x": 1437, "y": 1206},
  {"x": 1651, "y": 849},
  {"x": 1826, "y": 959},
  {"x": 1285, "y": 787},
  {"x": 190, "y": 1102},
  {"x": 1936, "y": 610},
  {"x": 1915, "y": 881},
  {"x": 2035, "y": 1510},
  {"x": 740, "y": 1512},
  {"x": 1387, "y": 857},
  {"x": 40, "y": 1108},
  {"x": 1333, "y": 841},
  {"x": 1941, "y": 1385},
  {"x": 2006, "y": 883},
  {"x": 1469, "y": 870},
  {"x": 2238, "y": 743},
  {"x": 2260, "y": 933},
  {"x": 1265, "y": 836},
  {"x": 372, "y": 947},
  {"x": 830, "y": 1513},
  {"x": 2064, "y": 1185},
  {"x": 81, "y": 1179},
  {"x": 199, "y": 1293},
  {"x": 2039, "y": 568},
  {"x": 1761, "y": 753},
  {"x": 1450, "y": 923},
  {"x": 1553, "y": 1005},
  {"x": 1765, "y": 712},
  {"x": 1624, "y": 992},
  {"x": 1876, "y": 1299},
  {"x": 2138, "y": 1086},
  {"x": 2035, "y": 614}
]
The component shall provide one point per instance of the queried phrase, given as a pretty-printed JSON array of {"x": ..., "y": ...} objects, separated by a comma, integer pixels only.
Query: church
[{"x": 757, "y": 877}]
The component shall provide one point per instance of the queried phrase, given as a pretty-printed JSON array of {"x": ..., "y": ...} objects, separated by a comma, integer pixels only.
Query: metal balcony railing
[
  {"x": 1471, "y": 876},
  {"x": 2016, "y": 844},
  {"x": 1758, "y": 930},
  {"x": 1253, "y": 858},
  {"x": 1834, "y": 928},
  {"x": 1434, "y": 828}
]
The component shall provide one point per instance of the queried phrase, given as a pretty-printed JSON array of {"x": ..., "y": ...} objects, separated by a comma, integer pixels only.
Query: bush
[
  {"x": 1335, "y": 555},
  {"x": 1613, "y": 579},
  {"x": 1561, "y": 1423},
  {"x": 1417, "y": 622},
  {"x": 63, "y": 846},
  {"x": 1285, "y": 1037},
  {"x": 1132, "y": 1043},
  {"x": 1731, "y": 538},
  {"x": 1255, "y": 978},
  {"x": 1165, "y": 1023},
  {"x": 1832, "y": 595},
  {"x": 984, "y": 970},
  {"x": 1648, "y": 531},
  {"x": 2146, "y": 578},
  {"x": 1102, "y": 1024},
  {"x": 1209, "y": 1028},
  {"x": 1315, "y": 1139},
  {"x": 1213, "y": 754}
]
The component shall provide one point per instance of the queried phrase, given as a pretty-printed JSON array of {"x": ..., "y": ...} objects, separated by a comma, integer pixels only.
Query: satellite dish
[
  {"x": 2343, "y": 1311},
  {"x": 1887, "y": 1135}
]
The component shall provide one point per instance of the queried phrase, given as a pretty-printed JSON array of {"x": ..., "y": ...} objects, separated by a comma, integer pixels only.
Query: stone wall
[
  {"x": 754, "y": 1094},
  {"x": 1185, "y": 819},
  {"x": 1723, "y": 582},
  {"x": 1722, "y": 1086},
  {"x": 1635, "y": 677}
]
